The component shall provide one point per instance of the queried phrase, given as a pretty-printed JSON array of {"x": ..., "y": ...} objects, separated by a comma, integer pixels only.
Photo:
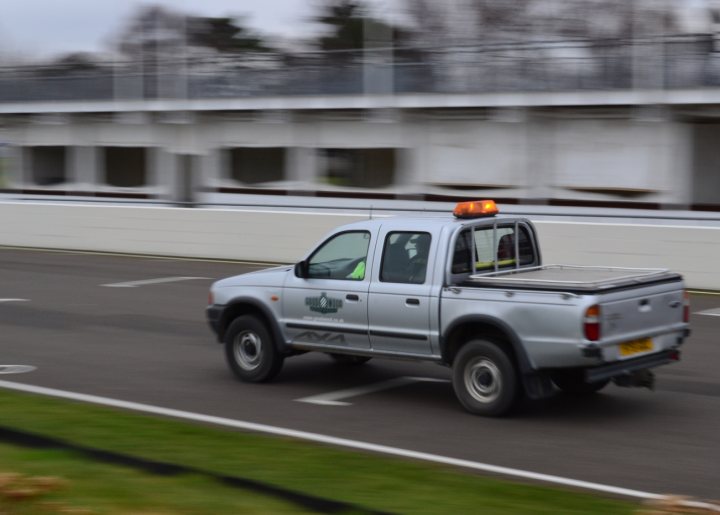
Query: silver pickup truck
[{"x": 469, "y": 292}]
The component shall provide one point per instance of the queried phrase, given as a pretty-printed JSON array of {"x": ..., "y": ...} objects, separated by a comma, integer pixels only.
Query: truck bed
[{"x": 572, "y": 278}]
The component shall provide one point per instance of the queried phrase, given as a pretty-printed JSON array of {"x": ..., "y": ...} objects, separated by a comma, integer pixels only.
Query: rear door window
[{"x": 405, "y": 257}]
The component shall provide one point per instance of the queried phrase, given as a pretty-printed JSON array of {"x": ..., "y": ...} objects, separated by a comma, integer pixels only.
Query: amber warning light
[{"x": 475, "y": 209}]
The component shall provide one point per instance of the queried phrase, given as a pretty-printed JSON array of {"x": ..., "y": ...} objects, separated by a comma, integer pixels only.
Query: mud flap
[{"x": 537, "y": 386}]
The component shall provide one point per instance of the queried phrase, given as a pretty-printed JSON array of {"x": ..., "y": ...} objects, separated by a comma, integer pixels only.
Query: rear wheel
[
  {"x": 250, "y": 350},
  {"x": 347, "y": 359},
  {"x": 573, "y": 381},
  {"x": 485, "y": 379}
]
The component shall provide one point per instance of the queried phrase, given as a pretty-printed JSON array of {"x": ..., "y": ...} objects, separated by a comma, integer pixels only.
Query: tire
[
  {"x": 573, "y": 381},
  {"x": 485, "y": 379},
  {"x": 347, "y": 359},
  {"x": 250, "y": 350}
]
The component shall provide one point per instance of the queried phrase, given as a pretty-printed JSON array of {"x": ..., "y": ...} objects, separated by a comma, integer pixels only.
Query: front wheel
[
  {"x": 250, "y": 350},
  {"x": 485, "y": 379}
]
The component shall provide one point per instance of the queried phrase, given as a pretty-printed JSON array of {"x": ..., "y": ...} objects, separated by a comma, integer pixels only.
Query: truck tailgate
[{"x": 642, "y": 312}]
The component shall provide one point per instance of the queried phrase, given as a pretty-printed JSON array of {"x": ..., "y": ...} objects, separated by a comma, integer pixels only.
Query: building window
[
  {"x": 48, "y": 165},
  {"x": 359, "y": 167},
  {"x": 256, "y": 165},
  {"x": 126, "y": 167}
]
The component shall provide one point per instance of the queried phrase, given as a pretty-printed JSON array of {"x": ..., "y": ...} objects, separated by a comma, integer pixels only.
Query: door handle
[
  {"x": 352, "y": 296},
  {"x": 412, "y": 302}
]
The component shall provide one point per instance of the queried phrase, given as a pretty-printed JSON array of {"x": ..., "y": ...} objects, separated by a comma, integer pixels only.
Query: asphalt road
[{"x": 150, "y": 344}]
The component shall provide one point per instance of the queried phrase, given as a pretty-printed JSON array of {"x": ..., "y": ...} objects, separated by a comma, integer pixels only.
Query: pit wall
[{"x": 284, "y": 237}]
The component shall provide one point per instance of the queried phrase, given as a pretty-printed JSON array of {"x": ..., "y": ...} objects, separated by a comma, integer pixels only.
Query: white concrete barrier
[
  {"x": 283, "y": 236},
  {"x": 692, "y": 251},
  {"x": 274, "y": 236}
]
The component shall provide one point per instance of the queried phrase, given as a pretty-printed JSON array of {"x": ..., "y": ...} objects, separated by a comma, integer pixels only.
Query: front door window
[{"x": 342, "y": 257}]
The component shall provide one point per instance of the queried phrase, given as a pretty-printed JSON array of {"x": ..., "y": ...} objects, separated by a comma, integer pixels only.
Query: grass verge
[{"x": 368, "y": 481}]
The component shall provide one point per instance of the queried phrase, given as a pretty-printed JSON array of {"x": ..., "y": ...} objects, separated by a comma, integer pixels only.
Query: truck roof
[{"x": 430, "y": 221}]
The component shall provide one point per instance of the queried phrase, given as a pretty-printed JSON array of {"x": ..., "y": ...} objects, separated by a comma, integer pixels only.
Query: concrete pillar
[
  {"x": 404, "y": 168},
  {"x": 682, "y": 170},
  {"x": 25, "y": 162},
  {"x": 4, "y": 166},
  {"x": 162, "y": 172},
  {"x": 16, "y": 167},
  {"x": 83, "y": 166},
  {"x": 153, "y": 177},
  {"x": 187, "y": 166},
  {"x": 301, "y": 165},
  {"x": 213, "y": 167}
]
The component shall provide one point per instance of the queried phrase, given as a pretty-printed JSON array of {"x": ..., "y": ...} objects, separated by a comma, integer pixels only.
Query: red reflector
[{"x": 675, "y": 355}]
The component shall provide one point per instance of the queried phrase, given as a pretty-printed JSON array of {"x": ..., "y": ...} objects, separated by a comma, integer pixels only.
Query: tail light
[
  {"x": 591, "y": 323},
  {"x": 686, "y": 307}
]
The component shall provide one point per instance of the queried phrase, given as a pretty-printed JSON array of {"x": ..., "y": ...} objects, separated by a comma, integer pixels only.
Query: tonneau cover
[{"x": 573, "y": 277}]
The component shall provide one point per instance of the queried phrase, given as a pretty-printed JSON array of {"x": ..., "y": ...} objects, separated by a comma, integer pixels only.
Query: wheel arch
[
  {"x": 479, "y": 326},
  {"x": 248, "y": 306}
]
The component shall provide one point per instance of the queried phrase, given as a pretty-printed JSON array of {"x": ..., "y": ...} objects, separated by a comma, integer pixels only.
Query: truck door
[
  {"x": 399, "y": 303},
  {"x": 329, "y": 307}
]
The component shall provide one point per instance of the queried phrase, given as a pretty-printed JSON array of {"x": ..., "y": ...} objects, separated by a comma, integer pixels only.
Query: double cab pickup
[{"x": 467, "y": 291}]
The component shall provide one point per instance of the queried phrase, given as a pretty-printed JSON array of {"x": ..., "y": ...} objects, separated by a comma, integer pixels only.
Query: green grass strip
[{"x": 370, "y": 481}]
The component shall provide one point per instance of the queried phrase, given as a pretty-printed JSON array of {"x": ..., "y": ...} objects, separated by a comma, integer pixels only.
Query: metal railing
[{"x": 670, "y": 62}]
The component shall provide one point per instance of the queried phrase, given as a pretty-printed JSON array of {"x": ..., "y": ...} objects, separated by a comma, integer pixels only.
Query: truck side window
[
  {"x": 343, "y": 256},
  {"x": 405, "y": 257}
]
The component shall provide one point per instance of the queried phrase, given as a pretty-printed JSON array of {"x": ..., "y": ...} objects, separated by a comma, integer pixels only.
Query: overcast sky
[
  {"x": 51, "y": 27},
  {"x": 42, "y": 28}
]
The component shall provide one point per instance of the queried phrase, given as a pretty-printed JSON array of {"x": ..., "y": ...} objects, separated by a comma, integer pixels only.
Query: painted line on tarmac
[
  {"x": 14, "y": 300},
  {"x": 331, "y": 440},
  {"x": 709, "y": 312},
  {"x": 16, "y": 369},
  {"x": 144, "y": 282},
  {"x": 144, "y": 256},
  {"x": 333, "y": 398}
]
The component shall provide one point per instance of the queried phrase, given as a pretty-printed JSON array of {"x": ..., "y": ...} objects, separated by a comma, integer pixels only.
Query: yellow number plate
[{"x": 636, "y": 347}]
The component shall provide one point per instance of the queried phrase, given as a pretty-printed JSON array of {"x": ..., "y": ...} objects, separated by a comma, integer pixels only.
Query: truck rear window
[{"x": 500, "y": 246}]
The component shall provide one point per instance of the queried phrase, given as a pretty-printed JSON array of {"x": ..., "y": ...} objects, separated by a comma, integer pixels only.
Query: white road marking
[
  {"x": 16, "y": 369},
  {"x": 333, "y": 398},
  {"x": 14, "y": 300},
  {"x": 135, "y": 284},
  {"x": 331, "y": 440},
  {"x": 709, "y": 312}
]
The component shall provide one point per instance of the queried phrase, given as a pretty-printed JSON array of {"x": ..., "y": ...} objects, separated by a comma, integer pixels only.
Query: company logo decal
[{"x": 323, "y": 304}]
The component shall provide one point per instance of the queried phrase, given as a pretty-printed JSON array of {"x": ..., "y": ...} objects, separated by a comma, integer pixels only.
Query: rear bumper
[{"x": 618, "y": 368}]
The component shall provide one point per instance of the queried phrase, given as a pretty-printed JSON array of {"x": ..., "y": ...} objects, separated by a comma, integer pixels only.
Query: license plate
[{"x": 636, "y": 347}]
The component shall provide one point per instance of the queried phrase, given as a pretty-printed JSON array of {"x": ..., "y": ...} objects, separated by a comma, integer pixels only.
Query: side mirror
[{"x": 301, "y": 269}]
